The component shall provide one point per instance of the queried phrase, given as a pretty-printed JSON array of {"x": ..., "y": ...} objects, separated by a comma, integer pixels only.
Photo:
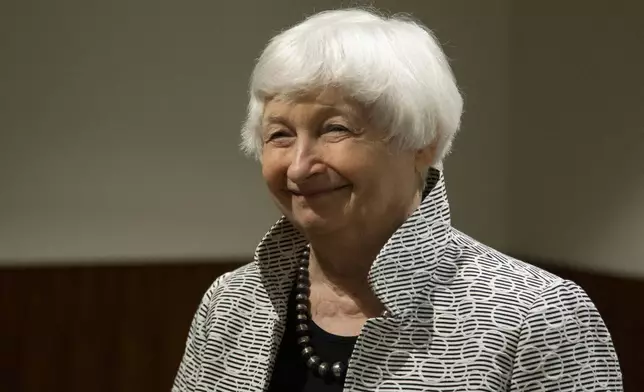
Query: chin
[
  {"x": 312, "y": 223},
  {"x": 318, "y": 218}
]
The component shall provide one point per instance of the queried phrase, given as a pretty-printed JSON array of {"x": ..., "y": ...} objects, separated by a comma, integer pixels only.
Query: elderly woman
[{"x": 364, "y": 285}]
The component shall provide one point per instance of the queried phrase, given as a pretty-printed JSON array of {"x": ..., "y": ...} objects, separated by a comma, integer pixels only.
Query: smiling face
[{"x": 329, "y": 171}]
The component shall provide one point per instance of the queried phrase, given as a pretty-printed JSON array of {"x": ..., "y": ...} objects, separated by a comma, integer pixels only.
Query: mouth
[{"x": 318, "y": 193}]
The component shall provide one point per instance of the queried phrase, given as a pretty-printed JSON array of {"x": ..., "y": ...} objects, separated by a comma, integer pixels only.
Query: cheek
[
  {"x": 369, "y": 185},
  {"x": 273, "y": 176},
  {"x": 383, "y": 179}
]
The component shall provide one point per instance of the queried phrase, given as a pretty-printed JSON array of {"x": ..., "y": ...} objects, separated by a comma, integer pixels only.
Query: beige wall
[
  {"x": 119, "y": 128},
  {"x": 577, "y": 133},
  {"x": 120, "y": 124}
]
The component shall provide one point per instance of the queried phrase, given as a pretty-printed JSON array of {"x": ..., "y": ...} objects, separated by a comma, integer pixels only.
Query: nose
[{"x": 305, "y": 161}]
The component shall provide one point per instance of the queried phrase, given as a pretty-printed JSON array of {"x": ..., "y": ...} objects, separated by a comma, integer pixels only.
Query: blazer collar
[{"x": 404, "y": 268}]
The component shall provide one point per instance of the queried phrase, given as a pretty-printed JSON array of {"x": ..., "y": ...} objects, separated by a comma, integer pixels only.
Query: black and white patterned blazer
[{"x": 463, "y": 317}]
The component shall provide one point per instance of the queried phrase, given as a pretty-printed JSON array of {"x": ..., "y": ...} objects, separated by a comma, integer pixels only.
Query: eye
[
  {"x": 336, "y": 128},
  {"x": 278, "y": 135}
]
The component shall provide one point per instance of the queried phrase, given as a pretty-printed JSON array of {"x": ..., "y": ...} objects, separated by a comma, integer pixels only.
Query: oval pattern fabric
[{"x": 462, "y": 317}]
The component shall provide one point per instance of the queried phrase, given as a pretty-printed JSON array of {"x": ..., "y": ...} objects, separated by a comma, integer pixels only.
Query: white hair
[{"x": 392, "y": 65}]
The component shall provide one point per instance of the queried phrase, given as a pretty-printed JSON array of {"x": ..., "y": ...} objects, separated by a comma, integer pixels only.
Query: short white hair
[{"x": 394, "y": 66}]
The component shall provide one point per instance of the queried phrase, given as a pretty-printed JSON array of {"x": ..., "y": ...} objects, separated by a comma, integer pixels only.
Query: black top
[{"x": 290, "y": 372}]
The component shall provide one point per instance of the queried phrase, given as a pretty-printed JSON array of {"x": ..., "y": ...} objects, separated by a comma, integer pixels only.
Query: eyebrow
[
  {"x": 324, "y": 112},
  {"x": 275, "y": 119}
]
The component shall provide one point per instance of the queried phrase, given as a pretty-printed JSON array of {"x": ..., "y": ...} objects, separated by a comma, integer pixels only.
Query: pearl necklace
[{"x": 303, "y": 288}]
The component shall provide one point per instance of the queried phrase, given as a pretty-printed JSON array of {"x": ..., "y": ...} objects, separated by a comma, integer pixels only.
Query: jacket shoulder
[
  {"x": 499, "y": 274},
  {"x": 490, "y": 258},
  {"x": 242, "y": 277}
]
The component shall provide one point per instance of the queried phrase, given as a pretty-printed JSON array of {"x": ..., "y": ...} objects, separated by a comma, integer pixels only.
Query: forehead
[{"x": 329, "y": 101}]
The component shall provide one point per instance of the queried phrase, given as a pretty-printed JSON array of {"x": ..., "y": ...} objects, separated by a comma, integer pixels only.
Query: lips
[{"x": 316, "y": 192}]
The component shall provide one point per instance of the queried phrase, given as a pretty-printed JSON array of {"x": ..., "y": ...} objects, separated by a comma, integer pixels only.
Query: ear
[{"x": 425, "y": 156}]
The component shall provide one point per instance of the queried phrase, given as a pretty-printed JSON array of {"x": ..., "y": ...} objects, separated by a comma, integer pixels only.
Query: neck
[
  {"x": 340, "y": 263},
  {"x": 339, "y": 286},
  {"x": 343, "y": 262}
]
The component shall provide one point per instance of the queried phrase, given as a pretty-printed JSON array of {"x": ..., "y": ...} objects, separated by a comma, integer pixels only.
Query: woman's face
[{"x": 329, "y": 171}]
